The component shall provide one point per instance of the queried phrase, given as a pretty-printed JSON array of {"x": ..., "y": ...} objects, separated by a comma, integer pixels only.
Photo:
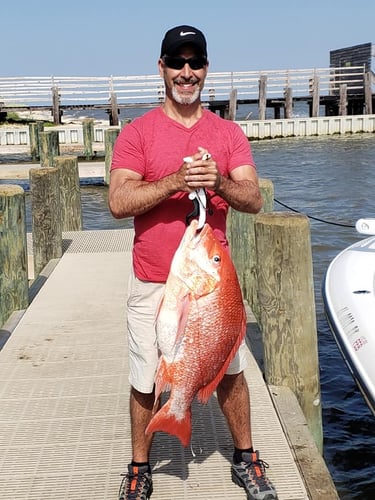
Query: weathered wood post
[
  {"x": 49, "y": 147},
  {"x": 241, "y": 235},
  {"x": 88, "y": 137},
  {"x": 288, "y": 95},
  {"x": 46, "y": 216},
  {"x": 262, "y": 97},
  {"x": 14, "y": 285},
  {"x": 343, "y": 106},
  {"x": 56, "y": 112},
  {"x": 315, "y": 97},
  {"x": 70, "y": 194},
  {"x": 287, "y": 310},
  {"x": 34, "y": 132},
  {"x": 110, "y": 136},
  {"x": 232, "y": 105},
  {"x": 113, "y": 113},
  {"x": 368, "y": 92}
]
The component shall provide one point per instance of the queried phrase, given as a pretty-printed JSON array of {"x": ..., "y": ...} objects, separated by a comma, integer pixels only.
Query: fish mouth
[{"x": 198, "y": 233}]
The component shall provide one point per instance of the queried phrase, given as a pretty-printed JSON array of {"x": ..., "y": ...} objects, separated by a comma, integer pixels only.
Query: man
[{"x": 151, "y": 182}]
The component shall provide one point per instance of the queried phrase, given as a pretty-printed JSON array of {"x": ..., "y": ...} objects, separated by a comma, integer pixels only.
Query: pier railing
[{"x": 59, "y": 92}]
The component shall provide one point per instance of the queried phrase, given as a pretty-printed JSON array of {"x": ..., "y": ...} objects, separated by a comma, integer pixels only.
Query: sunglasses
[{"x": 196, "y": 62}]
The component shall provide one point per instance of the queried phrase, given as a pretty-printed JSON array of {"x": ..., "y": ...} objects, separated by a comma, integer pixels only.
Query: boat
[{"x": 349, "y": 302}]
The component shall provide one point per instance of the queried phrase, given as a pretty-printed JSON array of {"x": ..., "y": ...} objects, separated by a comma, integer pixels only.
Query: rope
[{"x": 313, "y": 218}]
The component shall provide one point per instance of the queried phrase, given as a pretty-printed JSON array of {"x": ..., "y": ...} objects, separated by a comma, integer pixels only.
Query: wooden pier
[
  {"x": 341, "y": 90},
  {"x": 64, "y": 419}
]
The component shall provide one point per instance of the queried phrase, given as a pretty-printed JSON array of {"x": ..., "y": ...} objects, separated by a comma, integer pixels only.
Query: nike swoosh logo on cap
[{"x": 184, "y": 33}]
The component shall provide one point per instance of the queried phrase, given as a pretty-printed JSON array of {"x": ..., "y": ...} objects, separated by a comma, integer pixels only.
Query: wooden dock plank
[{"x": 64, "y": 424}]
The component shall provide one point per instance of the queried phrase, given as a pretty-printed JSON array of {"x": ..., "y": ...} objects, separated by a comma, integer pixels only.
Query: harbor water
[{"x": 331, "y": 180}]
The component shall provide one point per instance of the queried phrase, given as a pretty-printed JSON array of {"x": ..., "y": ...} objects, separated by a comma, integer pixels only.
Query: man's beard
[{"x": 185, "y": 99}]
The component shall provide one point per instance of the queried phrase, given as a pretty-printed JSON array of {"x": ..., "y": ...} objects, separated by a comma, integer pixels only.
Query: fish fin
[
  {"x": 162, "y": 379},
  {"x": 184, "y": 310},
  {"x": 158, "y": 308},
  {"x": 205, "y": 392},
  {"x": 165, "y": 421}
]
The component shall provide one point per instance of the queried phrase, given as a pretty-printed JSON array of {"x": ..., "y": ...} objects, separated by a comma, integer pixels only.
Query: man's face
[{"x": 184, "y": 83}]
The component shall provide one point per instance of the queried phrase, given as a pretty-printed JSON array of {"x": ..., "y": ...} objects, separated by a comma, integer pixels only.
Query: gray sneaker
[
  {"x": 250, "y": 474},
  {"x": 136, "y": 484}
]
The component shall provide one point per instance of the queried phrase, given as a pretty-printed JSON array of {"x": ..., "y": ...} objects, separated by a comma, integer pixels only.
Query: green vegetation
[{"x": 13, "y": 118}]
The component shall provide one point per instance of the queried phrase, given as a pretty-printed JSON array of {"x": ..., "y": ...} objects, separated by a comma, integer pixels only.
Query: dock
[
  {"x": 64, "y": 417},
  {"x": 342, "y": 89}
]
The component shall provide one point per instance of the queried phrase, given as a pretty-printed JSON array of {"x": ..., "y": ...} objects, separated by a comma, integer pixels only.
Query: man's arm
[
  {"x": 130, "y": 195},
  {"x": 241, "y": 190}
]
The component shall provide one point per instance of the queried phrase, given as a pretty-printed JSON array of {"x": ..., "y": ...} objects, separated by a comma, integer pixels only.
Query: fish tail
[{"x": 166, "y": 421}]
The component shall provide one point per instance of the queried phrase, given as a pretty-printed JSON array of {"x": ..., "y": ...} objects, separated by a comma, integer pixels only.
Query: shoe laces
[
  {"x": 132, "y": 485},
  {"x": 256, "y": 471}
]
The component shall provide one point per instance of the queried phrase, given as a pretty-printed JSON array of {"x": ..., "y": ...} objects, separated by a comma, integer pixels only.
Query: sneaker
[
  {"x": 250, "y": 474},
  {"x": 136, "y": 484}
]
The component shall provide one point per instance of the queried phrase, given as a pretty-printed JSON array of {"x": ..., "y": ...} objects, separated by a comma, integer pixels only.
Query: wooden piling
[
  {"x": 241, "y": 235},
  {"x": 46, "y": 216},
  {"x": 262, "y": 97},
  {"x": 35, "y": 129},
  {"x": 49, "y": 147},
  {"x": 232, "y": 105},
  {"x": 88, "y": 137},
  {"x": 110, "y": 136},
  {"x": 315, "y": 97},
  {"x": 70, "y": 194},
  {"x": 13, "y": 251},
  {"x": 113, "y": 113},
  {"x": 287, "y": 310},
  {"x": 343, "y": 106},
  {"x": 288, "y": 95},
  {"x": 56, "y": 111},
  {"x": 368, "y": 78}
]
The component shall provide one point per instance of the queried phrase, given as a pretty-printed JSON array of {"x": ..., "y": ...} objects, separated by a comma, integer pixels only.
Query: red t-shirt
[{"x": 154, "y": 146}]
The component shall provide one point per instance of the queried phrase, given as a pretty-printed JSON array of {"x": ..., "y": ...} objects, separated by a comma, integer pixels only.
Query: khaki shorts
[{"x": 143, "y": 300}]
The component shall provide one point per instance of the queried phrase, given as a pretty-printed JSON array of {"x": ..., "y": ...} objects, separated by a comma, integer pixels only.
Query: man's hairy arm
[
  {"x": 241, "y": 190},
  {"x": 129, "y": 195}
]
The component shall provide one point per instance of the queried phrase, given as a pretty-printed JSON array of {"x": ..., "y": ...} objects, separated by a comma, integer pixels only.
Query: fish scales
[{"x": 200, "y": 325}]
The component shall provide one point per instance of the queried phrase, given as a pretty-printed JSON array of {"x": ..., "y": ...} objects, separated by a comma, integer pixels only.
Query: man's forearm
[
  {"x": 136, "y": 197},
  {"x": 244, "y": 195}
]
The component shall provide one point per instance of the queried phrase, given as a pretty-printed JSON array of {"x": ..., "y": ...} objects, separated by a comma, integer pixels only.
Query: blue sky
[{"x": 122, "y": 37}]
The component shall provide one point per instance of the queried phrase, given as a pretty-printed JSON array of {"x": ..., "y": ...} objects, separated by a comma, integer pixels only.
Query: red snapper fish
[{"x": 200, "y": 325}]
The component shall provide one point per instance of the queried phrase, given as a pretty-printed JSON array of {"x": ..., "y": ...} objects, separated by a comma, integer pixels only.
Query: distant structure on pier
[{"x": 356, "y": 55}]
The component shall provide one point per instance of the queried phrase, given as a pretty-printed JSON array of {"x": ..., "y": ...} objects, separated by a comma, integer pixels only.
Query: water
[
  {"x": 328, "y": 178},
  {"x": 331, "y": 179}
]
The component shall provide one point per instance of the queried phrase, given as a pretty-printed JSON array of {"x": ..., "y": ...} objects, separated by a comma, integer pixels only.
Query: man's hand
[{"x": 201, "y": 173}]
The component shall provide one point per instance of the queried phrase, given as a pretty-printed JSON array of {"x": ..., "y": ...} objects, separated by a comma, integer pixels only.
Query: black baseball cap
[{"x": 181, "y": 35}]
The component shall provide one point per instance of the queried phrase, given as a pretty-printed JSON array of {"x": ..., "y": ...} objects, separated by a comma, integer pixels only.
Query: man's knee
[{"x": 228, "y": 382}]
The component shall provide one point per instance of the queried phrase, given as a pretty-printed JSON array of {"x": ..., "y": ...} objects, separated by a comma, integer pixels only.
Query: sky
[{"x": 123, "y": 37}]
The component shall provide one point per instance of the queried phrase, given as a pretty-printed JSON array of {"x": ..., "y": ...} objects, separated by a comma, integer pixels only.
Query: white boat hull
[{"x": 349, "y": 301}]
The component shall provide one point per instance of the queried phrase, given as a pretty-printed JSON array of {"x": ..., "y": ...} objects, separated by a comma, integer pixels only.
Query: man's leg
[
  {"x": 143, "y": 300},
  {"x": 248, "y": 471},
  {"x": 141, "y": 411},
  {"x": 234, "y": 400}
]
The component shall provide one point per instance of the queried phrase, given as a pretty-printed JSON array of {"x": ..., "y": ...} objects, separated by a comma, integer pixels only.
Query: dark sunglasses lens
[
  {"x": 179, "y": 62},
  {"x": 197, "y": 62}
]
